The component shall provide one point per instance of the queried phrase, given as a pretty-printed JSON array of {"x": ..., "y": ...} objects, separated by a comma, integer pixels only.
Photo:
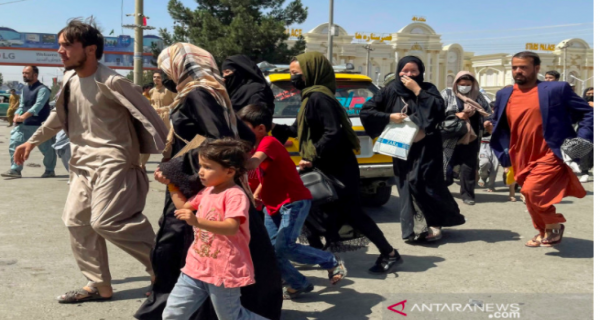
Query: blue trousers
[
  {"x": 284, "y": 228},
  {"x": 19, "y": 135},
  {"x": 189, "y": 294}
]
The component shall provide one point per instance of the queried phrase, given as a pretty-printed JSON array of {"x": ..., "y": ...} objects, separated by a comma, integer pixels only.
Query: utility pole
[
  {"x": 138, "y": 50},
  {"x": 564, "y": 47},
  {"x": 369, "y": 48},
  {"x": 330, "y": 34}
]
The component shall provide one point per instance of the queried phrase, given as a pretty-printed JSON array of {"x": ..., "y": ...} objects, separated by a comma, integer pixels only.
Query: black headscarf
[
  {"x": 399, "y": 87},
  {"x": 247, "y": 84}
]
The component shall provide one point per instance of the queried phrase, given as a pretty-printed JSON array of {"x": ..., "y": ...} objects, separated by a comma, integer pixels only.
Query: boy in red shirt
[{"x": 287, "y": 203}]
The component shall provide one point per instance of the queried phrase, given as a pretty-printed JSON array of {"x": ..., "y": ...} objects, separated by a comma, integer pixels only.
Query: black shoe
[
  {"x": 469, "y": 202},
  {"x": 385, "y": 263}
]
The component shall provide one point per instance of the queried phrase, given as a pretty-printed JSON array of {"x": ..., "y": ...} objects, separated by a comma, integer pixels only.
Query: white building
[{"x": 443, "y": 61}]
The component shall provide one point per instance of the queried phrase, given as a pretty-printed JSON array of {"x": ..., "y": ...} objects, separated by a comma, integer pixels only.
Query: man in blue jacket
[
  {"x": 532, "y": 121},
  {"x": 33, "y": 110}
]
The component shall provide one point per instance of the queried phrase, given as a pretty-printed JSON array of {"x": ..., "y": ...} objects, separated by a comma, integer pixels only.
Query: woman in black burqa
[
  {"x": 246, "y": 84},
  {"x": 421, "y": 186},
  {"x": 202, "y": 108},
  {"x": 327, "y": 142}
]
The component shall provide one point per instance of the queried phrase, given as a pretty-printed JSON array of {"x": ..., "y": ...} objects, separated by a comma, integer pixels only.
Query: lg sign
[{"x": 7, "y": 56}]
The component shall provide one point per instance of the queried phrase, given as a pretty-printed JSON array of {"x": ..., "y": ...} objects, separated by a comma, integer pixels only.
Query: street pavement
[{"x": 485, "y": 255}]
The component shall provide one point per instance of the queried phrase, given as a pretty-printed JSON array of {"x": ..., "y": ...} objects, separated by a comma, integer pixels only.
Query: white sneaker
[{"x": 584, "y": 178}]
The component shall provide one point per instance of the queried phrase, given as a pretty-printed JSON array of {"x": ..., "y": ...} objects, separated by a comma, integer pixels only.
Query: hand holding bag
[
  {"x": 453, "y": 127},
  {"x": 321, "y": 187}
]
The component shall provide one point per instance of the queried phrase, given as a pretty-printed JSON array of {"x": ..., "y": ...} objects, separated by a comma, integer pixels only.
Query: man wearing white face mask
[{"x": 465, "y": 102}]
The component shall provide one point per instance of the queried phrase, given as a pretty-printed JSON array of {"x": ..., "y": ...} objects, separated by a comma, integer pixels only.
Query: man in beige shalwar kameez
[{"x": 109, "y": 122}]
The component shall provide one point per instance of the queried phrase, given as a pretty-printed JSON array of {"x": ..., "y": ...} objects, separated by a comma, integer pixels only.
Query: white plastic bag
[{"x": 396, "y": 139}]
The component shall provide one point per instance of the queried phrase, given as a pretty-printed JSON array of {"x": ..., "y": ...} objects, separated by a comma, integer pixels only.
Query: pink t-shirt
[{"x": 218, "y": 259}]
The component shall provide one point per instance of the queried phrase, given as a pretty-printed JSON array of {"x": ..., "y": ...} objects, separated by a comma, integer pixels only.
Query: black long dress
[
  {"x": 421, "y": 176},
  {"x": 200, "y": 114},
  {"x": 336, "y": 158}
]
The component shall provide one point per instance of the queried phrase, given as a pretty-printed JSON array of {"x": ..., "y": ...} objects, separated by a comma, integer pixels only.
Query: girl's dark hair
[{"x": 228, "y": 152}]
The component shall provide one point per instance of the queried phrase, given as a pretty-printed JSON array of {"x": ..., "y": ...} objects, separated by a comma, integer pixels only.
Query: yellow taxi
[{"x": 353, "y": 90}]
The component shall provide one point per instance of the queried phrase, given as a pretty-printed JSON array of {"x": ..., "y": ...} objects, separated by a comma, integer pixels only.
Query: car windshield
[{"x": 351, "y": 95}]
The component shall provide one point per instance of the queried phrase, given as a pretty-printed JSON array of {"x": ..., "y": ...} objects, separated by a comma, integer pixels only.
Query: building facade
[{"x": 443, "y": 61}]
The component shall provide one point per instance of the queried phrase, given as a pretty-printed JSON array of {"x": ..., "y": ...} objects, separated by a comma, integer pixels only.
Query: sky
[{"x": 482, "y": 27}]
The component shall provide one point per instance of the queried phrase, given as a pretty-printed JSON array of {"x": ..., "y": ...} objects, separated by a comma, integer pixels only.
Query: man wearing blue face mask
[{"x": 467, "y": 103}]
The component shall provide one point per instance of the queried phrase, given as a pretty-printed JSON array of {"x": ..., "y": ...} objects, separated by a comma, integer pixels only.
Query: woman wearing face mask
[
  {"x": 466, "y": 102},
  {"x": 420, "y": 178},
  {"x": 327, "y": 142},
  {"x": 246, "y": 84},
  {"x": 202, "y": 107}
]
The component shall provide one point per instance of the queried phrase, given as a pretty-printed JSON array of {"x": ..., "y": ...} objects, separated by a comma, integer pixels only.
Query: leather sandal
[
  {"x": 81, "y": 295},
  {"x": 435, "y": 234},
  {"x": 535, "y": 243},
  {"x": 556, "y": 236}
]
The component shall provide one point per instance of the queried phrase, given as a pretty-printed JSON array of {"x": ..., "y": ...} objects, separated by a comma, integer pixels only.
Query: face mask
[
  {"x": 297, "y": 82},
  {"x": 464, "y": 89},
  {"x": 589, "y": 98}
]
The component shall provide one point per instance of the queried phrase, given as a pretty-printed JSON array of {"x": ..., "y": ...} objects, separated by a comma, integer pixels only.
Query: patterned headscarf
[{"x": 192, "y": 67}]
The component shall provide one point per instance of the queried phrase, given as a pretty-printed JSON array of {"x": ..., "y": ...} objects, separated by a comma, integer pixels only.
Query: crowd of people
[{"x": 230, "y": 179}]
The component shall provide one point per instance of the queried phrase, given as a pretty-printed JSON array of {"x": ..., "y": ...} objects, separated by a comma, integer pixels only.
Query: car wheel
[{"x": 377, "y": 199}]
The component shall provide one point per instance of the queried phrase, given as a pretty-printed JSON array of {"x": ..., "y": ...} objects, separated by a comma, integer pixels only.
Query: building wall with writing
[{"x": 443, "y": 61}]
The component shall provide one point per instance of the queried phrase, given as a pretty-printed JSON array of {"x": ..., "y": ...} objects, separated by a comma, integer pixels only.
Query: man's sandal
[
  {"x": 556, "y": 236},
  {"x": 81, "y": 295},
  {"x": 340, "y": 270},
  {"x": 534, "y": 242}
]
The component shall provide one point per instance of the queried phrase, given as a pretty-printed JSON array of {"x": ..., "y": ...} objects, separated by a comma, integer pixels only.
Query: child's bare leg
[{"x": 511, "y": 190}]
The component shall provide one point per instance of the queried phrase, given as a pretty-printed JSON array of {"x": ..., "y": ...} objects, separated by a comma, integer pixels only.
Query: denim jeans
[
  {"x": 189, "y": 294},
  {"x": 284, "y": 228},
  {"x": 19, "y": 135}
]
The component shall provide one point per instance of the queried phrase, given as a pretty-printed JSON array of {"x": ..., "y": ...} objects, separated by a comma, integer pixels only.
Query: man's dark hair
[
  {"x": 34, "y": 69},
  {"x": 148, "y": 86},
  {"x": 257, "y": 114},
  {"x": 528, "y": 54},
  {"x": 13, "y": 91},
  {"x": 78, "y": 31},
  {"x": 554, "y": 73},
  {"x": 160, "y": 73}
]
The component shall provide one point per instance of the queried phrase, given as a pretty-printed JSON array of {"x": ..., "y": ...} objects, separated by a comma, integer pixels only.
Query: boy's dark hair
[
  {"x": 228, "y": 152},
  {"x": 78, "y": 31},
  {"x": 528, "y": 54},
  {"x": 554, "y": 73},
  {"x": 148, "y": 86},
  {"x": 13, "y": 91},
  {"x": 257, "y": 114}
]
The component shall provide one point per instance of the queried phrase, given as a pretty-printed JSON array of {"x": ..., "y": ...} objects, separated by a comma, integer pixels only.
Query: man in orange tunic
[{"x": 532, "y": 122}]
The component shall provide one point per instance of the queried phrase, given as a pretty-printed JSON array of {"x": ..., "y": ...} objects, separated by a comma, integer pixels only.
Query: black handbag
[
  {"x": 453, "y": 127},
  {"x": 321, "y": 187}
]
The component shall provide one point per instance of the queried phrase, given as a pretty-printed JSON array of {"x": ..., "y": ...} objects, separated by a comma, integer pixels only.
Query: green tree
[
  {"x": 255, "y": 28},
  {"x": 146, "y": 78},
  {"x": 1, "y": 79}
]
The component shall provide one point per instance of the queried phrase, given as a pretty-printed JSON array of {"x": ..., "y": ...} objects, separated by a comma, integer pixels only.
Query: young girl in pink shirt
[{"x": 218, "y": 263}]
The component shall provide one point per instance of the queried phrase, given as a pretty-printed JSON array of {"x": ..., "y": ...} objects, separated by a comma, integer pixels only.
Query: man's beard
[
  {"x": 77, "y": 65},
  {"x": 523, "y": 80},
  {"x": 27, "y": 80}
]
